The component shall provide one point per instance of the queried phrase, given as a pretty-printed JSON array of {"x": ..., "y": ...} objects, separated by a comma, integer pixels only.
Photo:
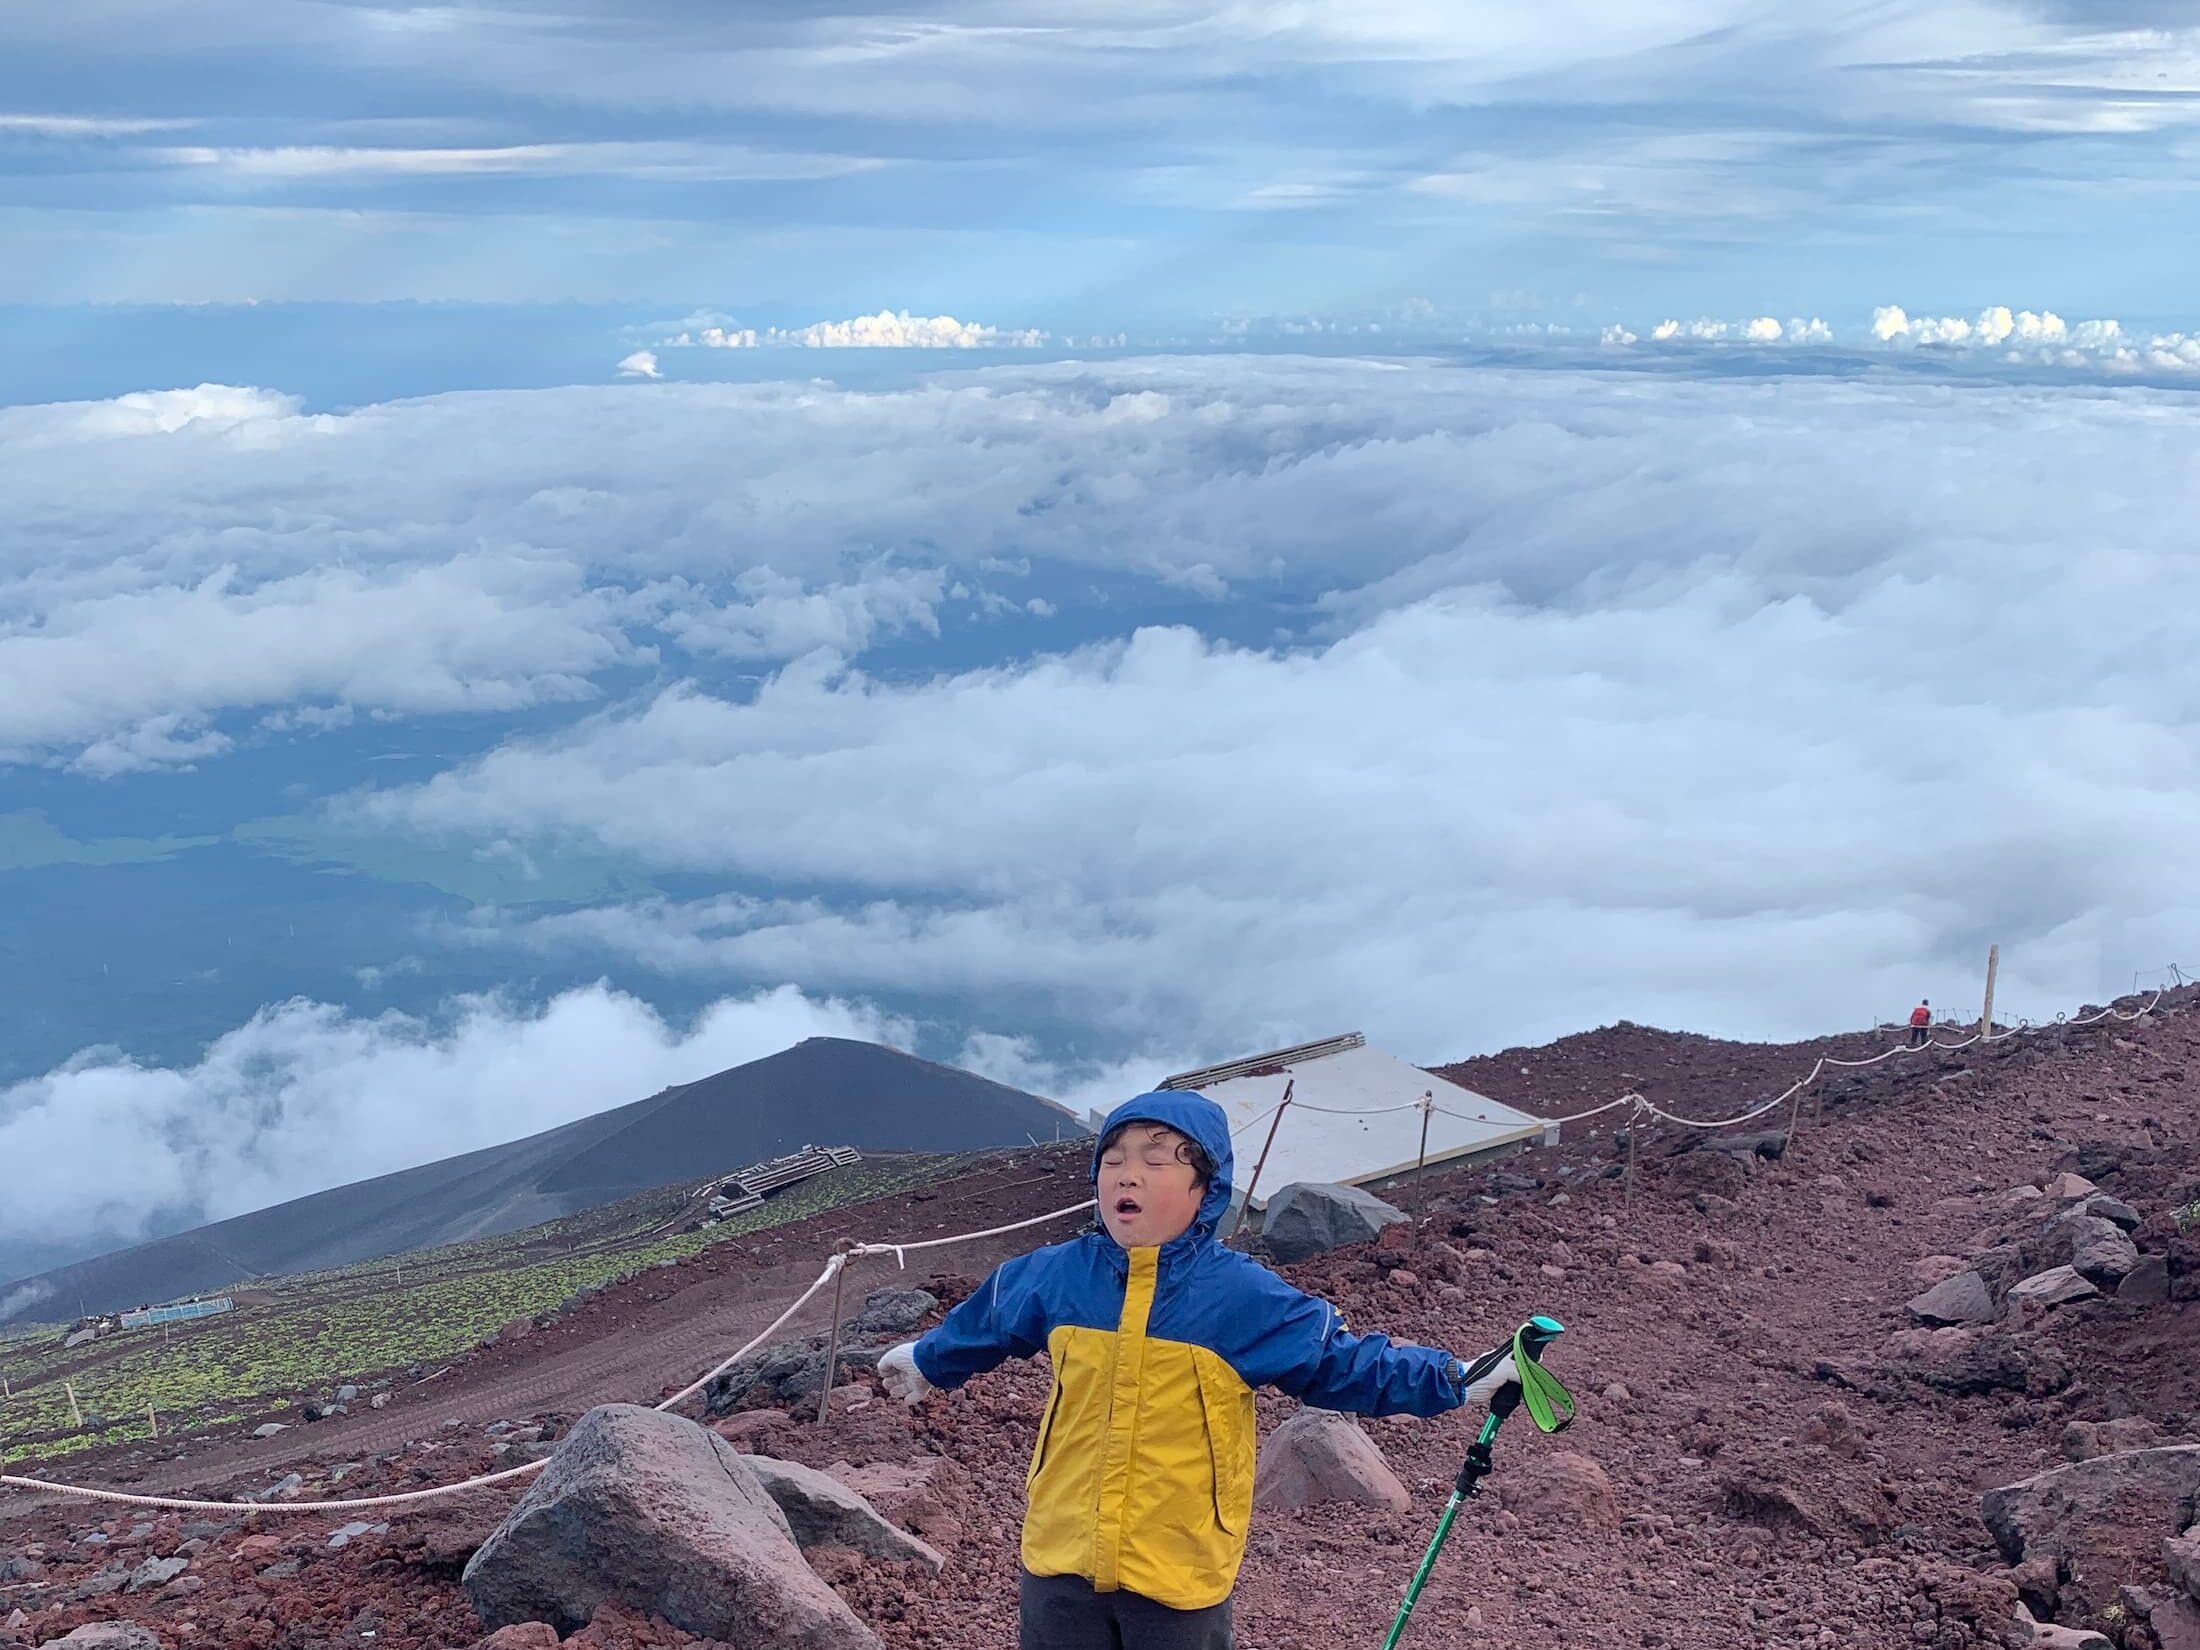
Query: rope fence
[
  {"x": 833, "y": 1267},
  {"x": 836, "y": 1264}
]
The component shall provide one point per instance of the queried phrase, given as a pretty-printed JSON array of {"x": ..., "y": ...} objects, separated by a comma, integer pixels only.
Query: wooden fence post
[
  {"x": 832, "y": 1343},
  {"x": 1634, "y": 1129},
  {"x": 1261, "y": 1162}
]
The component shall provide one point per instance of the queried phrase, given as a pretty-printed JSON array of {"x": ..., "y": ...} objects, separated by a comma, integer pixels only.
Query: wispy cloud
[
  {"x": 29, "y": 1295},
  {"x": 696, "y": 162},
  {"x": 1039, "y": 164},
  {"x": 86, "y": 126}
]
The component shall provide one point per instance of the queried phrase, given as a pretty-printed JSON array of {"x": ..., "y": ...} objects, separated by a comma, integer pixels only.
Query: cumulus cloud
[
  {"x": 181, "y": 565},
  {"x": 104, "y": 670},
  {"x": 1762, "y": 329},
  {"x": 887, "y": 329},
  {"x": 777, "y": 616},
  {"x": 2041, "y": 336},
  {"x": 641, "y": 364},
  {"x": 308, "y": 1095},
  {"x": 1997, "y": 334},
  {"x": 163, "y": 412}
]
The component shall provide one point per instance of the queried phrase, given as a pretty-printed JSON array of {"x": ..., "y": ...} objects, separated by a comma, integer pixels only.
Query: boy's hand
[
  {"x": 1481, "y": 1380},
  {"x": 897, "y": 1368}
]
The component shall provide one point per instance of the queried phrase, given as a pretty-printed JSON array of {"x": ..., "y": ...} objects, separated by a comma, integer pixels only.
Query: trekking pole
[{"x": 1550, "y": 1406}]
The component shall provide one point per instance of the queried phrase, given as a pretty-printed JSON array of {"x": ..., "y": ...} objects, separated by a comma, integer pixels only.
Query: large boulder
[
  {"x": 1310, "y": 1217},
  {"x": 2181, "y": 1557},
  {"x": 1708, "y": 1174},
  {"x": 2031, "y": 1634},
  {"x": 2176, "y": 1624},
  {"x": 653, "y": 1511},
  {"x": 2043, "y": 1291},
  {"x": 1762, "y": 1143},
  {"x": 2097, "y": 1249},
  {"x": 791, "y": 1372},
  {"x": 2114, "y": 1210},
  {"x": 821, "y": 1511},
  {"x": 1964, "y": 1298},
  {"x": 2084, "y": 1440},
  {"x": 527, "y": 1635},
  {"x": 105, "y": 1635},
  {"x": 1970, "y": 1360},
  {"x": 889, "y": 1313},
  {"x": 1811, "y": 1490},
  {"x": 1564, "y": 1488},
  {"x": 921, "y": 1496},
  {"x": 2146, "y": 1284},
  {"x": 2103, "y": 1520},
  {"x": 1319, "y": 1455}
]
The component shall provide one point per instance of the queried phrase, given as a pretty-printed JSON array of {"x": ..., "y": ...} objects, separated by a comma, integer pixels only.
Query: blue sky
[
  {"x": 1084, "y": 167},
  {"x": 543, "y": 555}
]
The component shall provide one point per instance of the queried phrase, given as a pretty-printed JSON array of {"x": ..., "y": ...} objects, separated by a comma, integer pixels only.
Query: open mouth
[{"x": 1126, "y": 1208}]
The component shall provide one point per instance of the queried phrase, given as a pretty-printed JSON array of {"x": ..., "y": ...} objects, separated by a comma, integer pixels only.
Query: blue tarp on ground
[{"x": 175, "y": 1314}]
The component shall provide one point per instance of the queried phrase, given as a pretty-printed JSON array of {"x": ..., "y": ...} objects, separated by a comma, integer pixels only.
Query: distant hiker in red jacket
[{"x": 1921, "y": 1023}]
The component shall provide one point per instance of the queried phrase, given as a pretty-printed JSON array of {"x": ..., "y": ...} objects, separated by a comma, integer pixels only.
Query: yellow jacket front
[{"x": 1142, "y": 1476}]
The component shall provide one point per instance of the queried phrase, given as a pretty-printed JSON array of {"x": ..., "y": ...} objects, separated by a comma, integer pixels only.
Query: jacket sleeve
[
  {"x": 1003, "y": 1318},
  {"x": 1298, "y": 1344}
]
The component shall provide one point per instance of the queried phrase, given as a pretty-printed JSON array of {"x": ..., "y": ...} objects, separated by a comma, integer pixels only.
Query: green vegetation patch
[{"x": 316, "y": 1331}]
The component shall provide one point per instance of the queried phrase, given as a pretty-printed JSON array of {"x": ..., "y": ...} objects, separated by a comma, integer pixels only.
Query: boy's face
[{"x": 1148, "y": 1192}]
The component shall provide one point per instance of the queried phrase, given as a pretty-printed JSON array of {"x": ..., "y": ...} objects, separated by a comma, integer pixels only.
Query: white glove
[
  {"x": 897, "y": 1368},
  {"x": 1482, "y": 1380}
]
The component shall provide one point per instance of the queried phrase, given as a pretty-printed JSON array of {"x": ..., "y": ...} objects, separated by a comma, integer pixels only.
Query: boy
[{"x": 1141, "y": 1483}]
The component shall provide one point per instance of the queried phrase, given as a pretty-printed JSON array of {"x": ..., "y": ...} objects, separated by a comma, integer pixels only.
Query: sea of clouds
[{"x": 1484, "y": 706}]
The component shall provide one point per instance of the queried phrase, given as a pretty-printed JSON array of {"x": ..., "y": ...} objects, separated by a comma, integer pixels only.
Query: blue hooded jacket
[{"x": 1142, "y": 1473}]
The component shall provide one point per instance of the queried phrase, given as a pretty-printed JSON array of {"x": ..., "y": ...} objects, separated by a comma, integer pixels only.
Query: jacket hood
[{"x": 1198, "y": 1119}]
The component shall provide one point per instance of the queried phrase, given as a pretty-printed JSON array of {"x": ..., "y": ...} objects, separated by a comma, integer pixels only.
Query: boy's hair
[{"x": 1188, "y": 1150}]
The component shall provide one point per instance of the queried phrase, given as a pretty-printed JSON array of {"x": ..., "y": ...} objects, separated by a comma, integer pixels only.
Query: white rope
[
  {"x": 832, "y": 1270},
  {"x": 2023, "y": 1028},
  {"x": 1548, "y": 1122},
  {"x": 898, "y": 1250},
  {"x": 87, "y": 1493},
  {"x": 1691, "y": 1123},
  {"x": 1350, "y": 1111},
  {"x": 407, "y": 1497}
]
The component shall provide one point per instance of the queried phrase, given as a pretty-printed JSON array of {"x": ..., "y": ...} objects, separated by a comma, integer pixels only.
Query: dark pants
[
  {"x": 1064, "y": 1613},
  {"x": 1920, "y": 1036}
]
